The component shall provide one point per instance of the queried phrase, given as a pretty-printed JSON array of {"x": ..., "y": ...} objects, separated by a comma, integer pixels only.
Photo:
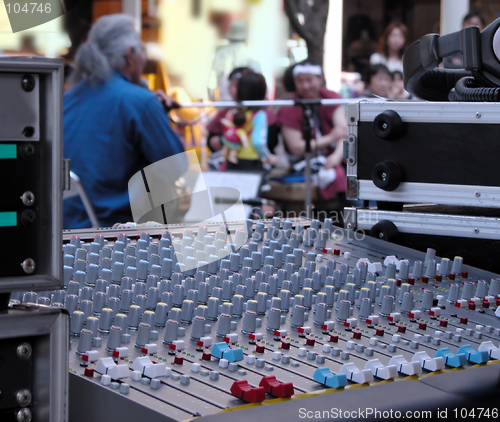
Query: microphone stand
[
  {"x": 309, "y": 133},
  {"x": 307, "y": 114}
]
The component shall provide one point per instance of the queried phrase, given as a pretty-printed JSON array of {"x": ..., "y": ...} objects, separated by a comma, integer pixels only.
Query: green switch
[
  {"x": 8, "y": 151},
  {"x": 8, "y": 219}
]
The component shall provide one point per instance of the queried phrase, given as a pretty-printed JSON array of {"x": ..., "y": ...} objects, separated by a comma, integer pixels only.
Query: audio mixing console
[{"x": 301, "y": 310}]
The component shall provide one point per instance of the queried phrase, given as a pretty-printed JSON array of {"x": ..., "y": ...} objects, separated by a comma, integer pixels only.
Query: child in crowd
[
  {"x": 244, "y": 134},
  {"x": 237, "y": 128}
]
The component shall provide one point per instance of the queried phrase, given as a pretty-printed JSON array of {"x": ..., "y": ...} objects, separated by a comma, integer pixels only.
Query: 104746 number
[
  {"x": 28, "y": 7},
  {"x": 478, "y": 412}
]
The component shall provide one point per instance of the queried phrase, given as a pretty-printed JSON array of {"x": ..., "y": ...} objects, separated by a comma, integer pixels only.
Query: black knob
[
  {"x": 387, "y": 175},
  {"x": 388, "y": 125},
  {"x": 385, "y": 230}
]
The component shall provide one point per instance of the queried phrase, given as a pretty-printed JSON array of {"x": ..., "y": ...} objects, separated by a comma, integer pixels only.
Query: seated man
[
  {"x": 330, "y": 127},
  {"x": 113, "y": 127}
]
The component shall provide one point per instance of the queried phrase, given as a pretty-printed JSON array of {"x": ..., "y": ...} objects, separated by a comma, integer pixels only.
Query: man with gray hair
[{"x": 113, "y": 127}]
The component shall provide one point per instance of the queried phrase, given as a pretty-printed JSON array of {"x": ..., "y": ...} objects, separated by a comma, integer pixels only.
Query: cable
[{"x": 467, "y": 90}]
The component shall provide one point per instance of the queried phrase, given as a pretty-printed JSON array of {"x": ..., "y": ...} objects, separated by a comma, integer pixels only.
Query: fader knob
[
  {"x": 274, "y": 319},
  {"x": 351, "y": 292},
  {"x": 405, "y": 287},
  {"x": 344, "y": 310},
  {"x": 431, "y": 269},
  {"x": 91, "y": 324},
  {"x": 407, "y": 303},
  {"x": 444, "y": 267},
  {"x": 85, "y": 306},
  {"x": 187, "y": 311},
  {"x": 198, "y": 330},
  {"x": 384, "y": 290},
  {"x": 430, "y": 254},
  {"x": 77, "y": 320},
  {"x": 453, "y": 293},
  {"x": 224, "y": 325},
  {"x": 457, "y": 265},
  {"x": 494, "y": 289},
  {"x": 427, "y": 300},
  {"x": 249, "y": 322},
  {"x": 481, "y": 289},
  {"x": 261, "y": 303},
  {"x": 298, "y": 317},
  {"x": 238, "y": 301},
  {"x": 114, "y": 339},
  {"x": 213, "y": 308},
  {"x": 320, "y": 315},
  {"x": 121, "y": 321},
  {"x": 258, "y": 234},
  {"x": 125, "y": 300},
  {"x": 133, "y": 317},
  {"x": 170, "y": 331},
  {"x": 467, "y": 290},
  {"x": 417, "y": 270},
  {"x": 387, "y": 305},
  {"x": 85, "y": 341},
  {"x": 390, "y": 272},
  {"x": 321, "y": 239},
  {"x": 143, "y": 335},
  {"x": 404, "y": 271},
  {"x": 365, "y": 307}
]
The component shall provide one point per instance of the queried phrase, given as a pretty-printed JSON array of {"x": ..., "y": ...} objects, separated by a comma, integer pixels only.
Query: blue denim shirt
[{"x": 111, "y": 132}]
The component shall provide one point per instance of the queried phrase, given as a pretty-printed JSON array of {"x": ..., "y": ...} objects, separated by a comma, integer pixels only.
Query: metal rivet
[
  {"x": 24, "y": 350},
  {"x": 478, "y": 194},
  {"x": 28, "y": 198},
  {"x": 28, "y": 265},
  {"x": 476, "y": 231},
  {"x": 478, "y": 115},
  {"x": 23, "y": 397},
  {"x": 28, "y": 217},
  {"x": 27, "y": 150},
  {"x": 24, "y": 415}
]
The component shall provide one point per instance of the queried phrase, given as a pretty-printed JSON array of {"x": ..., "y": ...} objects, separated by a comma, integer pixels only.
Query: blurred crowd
[{"x": 110, "y": 115}]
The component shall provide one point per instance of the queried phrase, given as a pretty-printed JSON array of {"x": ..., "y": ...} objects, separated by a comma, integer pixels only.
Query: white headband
[{"x": 312, "y": 69}]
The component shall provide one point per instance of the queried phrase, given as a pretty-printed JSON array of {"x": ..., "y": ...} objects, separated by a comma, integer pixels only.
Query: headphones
[{"x": 481, "y": 58}]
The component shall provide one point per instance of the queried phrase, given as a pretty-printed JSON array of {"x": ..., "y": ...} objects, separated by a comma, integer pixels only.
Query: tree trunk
[{"x": 313, "y": 28}]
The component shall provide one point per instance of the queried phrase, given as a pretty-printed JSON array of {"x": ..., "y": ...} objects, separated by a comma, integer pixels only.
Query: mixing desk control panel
[{"x": 185, "y": 323}]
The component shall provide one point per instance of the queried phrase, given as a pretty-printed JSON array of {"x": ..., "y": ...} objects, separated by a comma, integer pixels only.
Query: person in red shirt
[{"x": 306, "y": 80}]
